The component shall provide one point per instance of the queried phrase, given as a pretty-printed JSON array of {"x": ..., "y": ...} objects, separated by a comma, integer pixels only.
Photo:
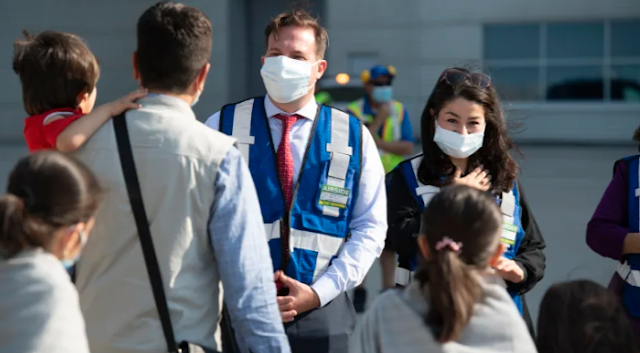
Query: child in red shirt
[{"x": 59, "y": 73}]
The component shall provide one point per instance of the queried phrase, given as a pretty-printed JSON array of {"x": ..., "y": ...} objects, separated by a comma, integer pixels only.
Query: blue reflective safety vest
[
  {"x": 630, "y": 269},
  {"x": 512, "y": 230},
  {"x": 323, "y": 197}
]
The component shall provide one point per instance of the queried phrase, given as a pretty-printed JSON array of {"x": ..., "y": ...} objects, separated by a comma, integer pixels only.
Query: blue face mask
[
  {"x": 69, "y": 263},
  {"x": 382, "y": 94}
]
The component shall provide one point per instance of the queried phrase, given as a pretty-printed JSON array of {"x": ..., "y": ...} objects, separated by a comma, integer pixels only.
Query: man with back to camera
[
  {"x": 201, "y": 204},
  {"x": 320, "y": 183},
  {"x": 389, "y": 124}
]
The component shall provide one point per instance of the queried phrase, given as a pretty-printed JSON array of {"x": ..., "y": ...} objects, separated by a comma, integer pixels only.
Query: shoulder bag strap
[{"x": 142, "y": 223}]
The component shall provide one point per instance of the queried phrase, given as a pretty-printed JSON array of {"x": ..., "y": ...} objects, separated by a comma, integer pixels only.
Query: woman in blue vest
[
  {"x": 614, "y": 232},
  {"x": 465, "y": 141}
]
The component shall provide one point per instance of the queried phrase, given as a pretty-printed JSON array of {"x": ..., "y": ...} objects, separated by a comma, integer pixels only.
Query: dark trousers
[{"x": 323, "y": 330}]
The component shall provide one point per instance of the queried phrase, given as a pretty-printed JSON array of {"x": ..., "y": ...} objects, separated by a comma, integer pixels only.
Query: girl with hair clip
[
  {"x": 45, "y": 219},
  {"x": 465, "y": 141},
  {"x": 583, "y": 317},
  {"x": 614, "y": 232},
  {"x": 451, "y": 306}
]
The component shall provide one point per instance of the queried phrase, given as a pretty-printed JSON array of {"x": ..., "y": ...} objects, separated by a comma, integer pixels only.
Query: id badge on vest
[
  {"x": 509, "y": 234},
  {"x": 334, "y": 196}
]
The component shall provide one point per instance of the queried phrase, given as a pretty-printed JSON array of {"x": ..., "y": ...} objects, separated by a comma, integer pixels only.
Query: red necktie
[
  {"x": 285, "y": 158},
  {"x": 285, "y": 172}
]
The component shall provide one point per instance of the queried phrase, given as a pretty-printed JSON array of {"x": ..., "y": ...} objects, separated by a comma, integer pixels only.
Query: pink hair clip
[{"x": 446, "y": 241}]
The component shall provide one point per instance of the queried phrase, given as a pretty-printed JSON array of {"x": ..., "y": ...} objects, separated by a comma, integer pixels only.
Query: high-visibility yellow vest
[{"x": 391, "y": 129}]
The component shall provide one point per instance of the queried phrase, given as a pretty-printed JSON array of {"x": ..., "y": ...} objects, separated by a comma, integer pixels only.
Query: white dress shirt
[{"x": 369, "y": 223}]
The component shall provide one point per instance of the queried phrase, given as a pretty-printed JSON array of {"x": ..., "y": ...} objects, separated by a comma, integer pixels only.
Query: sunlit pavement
[{"x": 563, "y": 185}]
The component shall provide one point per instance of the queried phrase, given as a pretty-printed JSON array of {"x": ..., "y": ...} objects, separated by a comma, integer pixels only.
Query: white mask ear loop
[
  {"x": 82, "y": 235},
  {"x": 83, "y": 238},
  {"x": 313, "y": 73},
  {"x": 69, "y": 263}
]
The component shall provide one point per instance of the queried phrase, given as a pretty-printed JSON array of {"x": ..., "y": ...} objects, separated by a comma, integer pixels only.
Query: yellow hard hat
[{"x": 377, "y": 71}]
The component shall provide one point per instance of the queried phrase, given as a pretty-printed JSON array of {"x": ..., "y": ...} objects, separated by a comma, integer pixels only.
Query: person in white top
[
  {"x": 453, "y": 305},
  {"x": 320, "y": 185},
  {"x": 45, "y": 219}
]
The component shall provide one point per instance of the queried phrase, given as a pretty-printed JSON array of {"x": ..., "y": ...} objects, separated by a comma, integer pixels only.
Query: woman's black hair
[
  {"x": 436, "y": 168},
  {"x": 449, "y": 278},
  {"x": 636, "y": 136},
  {"x": 46, "y": 192},
  {"x": 583, "y": 317}
]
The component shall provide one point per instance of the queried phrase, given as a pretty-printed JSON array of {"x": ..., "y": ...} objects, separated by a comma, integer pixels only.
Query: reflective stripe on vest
[
  {"x": 426, "y": 192},
  {"x": 632, "y": 277},
  {"x": 404, "y": 276},
  {"x": 318, "y": 229},
  {"x": 629, "y": 271},
  {"x": 242, "y": 127},
  {"x": 326, "y": 246},
  {"x": 340, "y": 155},
  {"x": 392, "y": 128}
]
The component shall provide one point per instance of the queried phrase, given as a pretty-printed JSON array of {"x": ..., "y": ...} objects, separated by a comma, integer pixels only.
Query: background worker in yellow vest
[
  {"x": 387, "y": 119},
  {"x": 390, "y": 126}
]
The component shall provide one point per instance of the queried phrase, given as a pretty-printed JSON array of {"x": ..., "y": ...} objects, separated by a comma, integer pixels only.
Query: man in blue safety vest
[{"x": 320, "y": 185}]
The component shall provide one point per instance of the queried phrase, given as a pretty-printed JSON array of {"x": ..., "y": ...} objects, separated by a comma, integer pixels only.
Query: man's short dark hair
[
  {"x": 54, "y": 69},
  {"x": 174, "y": 44},
  {"x": 299, "y": 18}
]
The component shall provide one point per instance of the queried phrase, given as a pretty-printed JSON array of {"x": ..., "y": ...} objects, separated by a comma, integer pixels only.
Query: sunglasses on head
[{"x": 455, "y": 77}]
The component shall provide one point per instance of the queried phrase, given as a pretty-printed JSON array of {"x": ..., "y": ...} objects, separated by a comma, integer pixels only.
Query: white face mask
[
  {"x": 286, "y": 79},
  {"x": 455, "y": 145}
]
